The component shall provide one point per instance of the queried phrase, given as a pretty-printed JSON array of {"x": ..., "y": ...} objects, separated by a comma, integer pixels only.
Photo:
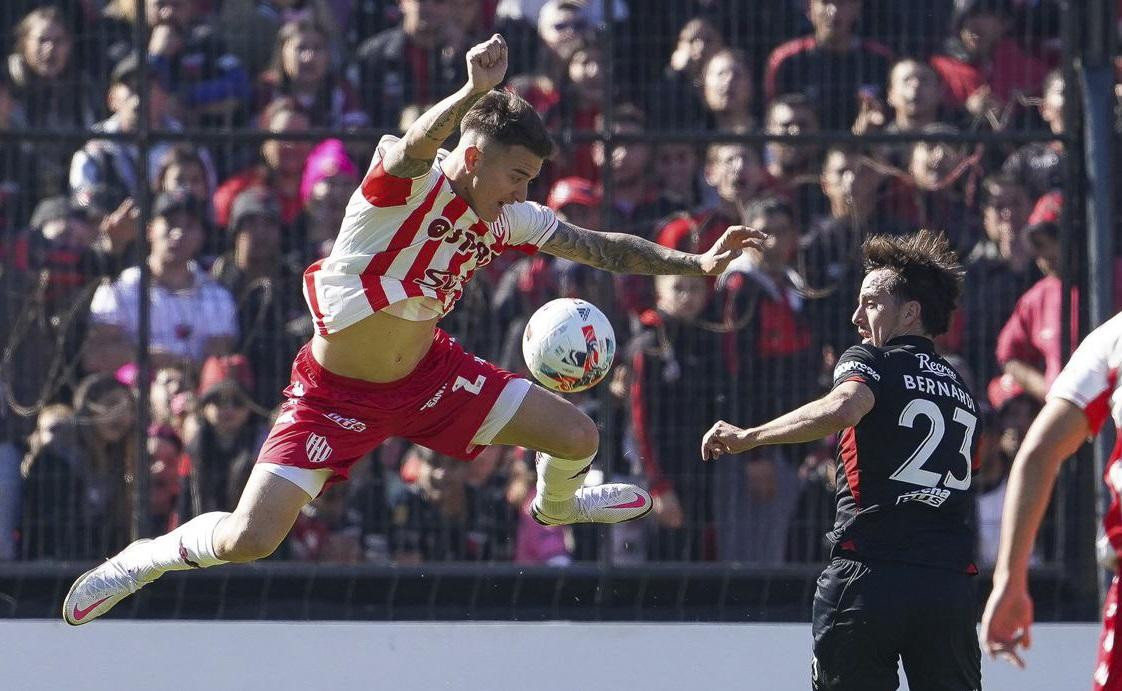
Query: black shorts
[{"x": 867, "y": 615}]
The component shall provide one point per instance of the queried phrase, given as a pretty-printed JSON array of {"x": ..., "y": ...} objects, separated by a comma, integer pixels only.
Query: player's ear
[
  {"x": 912, "y": 311},
  {"x": 472, "y": 155}
]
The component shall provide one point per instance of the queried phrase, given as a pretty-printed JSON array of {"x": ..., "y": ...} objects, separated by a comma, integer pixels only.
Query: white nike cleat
[
  {"x": 99, "y": 589},
  {"x": 610, "y": 503}
]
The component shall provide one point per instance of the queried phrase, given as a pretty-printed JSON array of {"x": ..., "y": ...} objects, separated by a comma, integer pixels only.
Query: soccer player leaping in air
[{"x": 420, "y": 224}]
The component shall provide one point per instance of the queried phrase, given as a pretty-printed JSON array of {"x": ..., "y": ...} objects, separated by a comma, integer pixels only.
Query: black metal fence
[{"x": 673, "y": 123}]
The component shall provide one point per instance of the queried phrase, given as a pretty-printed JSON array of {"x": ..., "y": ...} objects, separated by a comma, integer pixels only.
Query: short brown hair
[
  {"x": 926, "y": 270},
  {"x": 509, "y": 120}
]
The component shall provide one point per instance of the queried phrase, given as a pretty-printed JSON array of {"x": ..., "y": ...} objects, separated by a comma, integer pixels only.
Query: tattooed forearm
[
  {"x": 619, "y": 252},
  {"x": 417, "y": 149}
]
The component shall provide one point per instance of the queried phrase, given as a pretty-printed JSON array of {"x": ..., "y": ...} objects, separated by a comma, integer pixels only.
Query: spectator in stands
[
  {"x": 676, "y": 168},
  {"x": 832, "y": 67},
  {"x": 209, "y": 82},
  {"x": 109, "y": 38},
  {"x": 677, "y": 378},
  {"x": 854, "y": 186},
  {"x": 250, "y": 27},
  {"x": 769, "y": 346},
  {"x": 192, "y": 316},
  {"x": 1029, "y": 345},
  {"x": 795, "y": 169},
  {"x": 999, "y": 269},
  {"x": 48, "y": 89},
  {"x": 167, "y": 383},
  {"x": 327, "y": 530},
  {"x": 226, "y": 438},
  {"x": 577, "y": 107},
  {"x": 450, "y": 510},
  {"x": 1013, "y": 420},
  {"x": 77, "y": 495},
  {"x": 1041, "y": 164},
  {"x": 115, "y": 164},
  {"x": 675, "y": 99},
  {"x": 984, "y": 69},
  {"x": 726, "y": 89},
  {"x": 773, "y": 366},
  {"x": 407, "y": 66},
  {"x": 186, "y": 169},
  {"x": 944, "y": 175},
  {"x": 265, "y": 284},
  {"x": 281, "y": 166},
  {"x": 301, "y": 70},
  {"x": 563, "y": 27},
  {"x": 165, "y": 454},
  {"x": 18, "y": 193},
  {"x": 630, "y": 165},
  {"x": 183, "y": 169},
  {"x": 914, "y": 96},
  {"x": 329, "y": 179},
  {"x": 736, "y": 174}
]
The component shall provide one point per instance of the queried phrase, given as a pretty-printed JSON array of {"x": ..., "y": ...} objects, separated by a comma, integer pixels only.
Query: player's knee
[
  {"x": 581, "y": 440},
  {"x": 247, "y": 543}
]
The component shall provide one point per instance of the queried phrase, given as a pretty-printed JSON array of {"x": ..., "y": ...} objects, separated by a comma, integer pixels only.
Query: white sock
[
  {"x": 190, "y": 546},
  {"x": 558, "y": 480}
]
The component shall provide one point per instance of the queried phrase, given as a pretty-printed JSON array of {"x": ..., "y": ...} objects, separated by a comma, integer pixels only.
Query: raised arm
[
  {"x": 414, "y": 153},
  {"x": 630, "y": 254}
]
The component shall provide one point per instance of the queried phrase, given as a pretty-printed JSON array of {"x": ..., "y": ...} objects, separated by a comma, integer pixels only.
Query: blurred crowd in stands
[{"x": 235, "y": 223}]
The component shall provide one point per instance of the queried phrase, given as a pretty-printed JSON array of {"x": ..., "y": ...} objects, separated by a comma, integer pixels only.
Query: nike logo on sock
[
  {"x": 80, "y": 614},
  {"x": 636, "y": 503}
]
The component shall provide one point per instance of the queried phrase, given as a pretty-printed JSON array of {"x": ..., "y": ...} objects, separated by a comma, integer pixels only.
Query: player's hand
[
  {"x": 723, "y": 438},
  {"x": 732, "y": 243},
  {"x": 1007, "y": 623},
  {"x": 486, "y": 64}
]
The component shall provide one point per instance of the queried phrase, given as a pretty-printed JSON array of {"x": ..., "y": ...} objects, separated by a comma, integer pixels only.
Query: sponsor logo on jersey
[
  {"x": 297, "y": 389},
  {"x": 932, "y": 496},
  {"x": 317, "y": 448},
  {"x": 855, "y": 365},
  {"x": 435, "y": 398},
  {"x": 347, "y": 423},
  {"x": 937, "y": 368}
]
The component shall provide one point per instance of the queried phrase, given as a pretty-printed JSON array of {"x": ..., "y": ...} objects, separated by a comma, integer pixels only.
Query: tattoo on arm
[
  {"x": 414, "y": 153},
  {"x": 619, "y": 252}
]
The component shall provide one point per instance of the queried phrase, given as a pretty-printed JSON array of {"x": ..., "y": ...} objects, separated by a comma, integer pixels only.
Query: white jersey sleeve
[
  {"x": 530, "y": 225},
  {"x": 1090, "y": 378}
]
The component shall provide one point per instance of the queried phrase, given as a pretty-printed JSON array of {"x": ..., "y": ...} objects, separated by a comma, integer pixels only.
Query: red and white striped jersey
[
  {"x": 1090, "y": 381},
  {"x": 409, "y": 245}
]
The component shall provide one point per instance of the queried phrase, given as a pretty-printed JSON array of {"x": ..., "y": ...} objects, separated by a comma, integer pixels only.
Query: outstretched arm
[
  {"x": 630, "y": 254},
  {"x": 1055, "y": 434},
  {"x": 843, "y": 407},
  {"x": 413, "y": 154}
]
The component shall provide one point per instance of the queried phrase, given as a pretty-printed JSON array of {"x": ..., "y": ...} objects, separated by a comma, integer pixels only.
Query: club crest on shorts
[{"x": 317, "y": 448}]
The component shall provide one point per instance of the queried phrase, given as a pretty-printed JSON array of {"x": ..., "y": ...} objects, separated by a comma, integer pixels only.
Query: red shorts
[
  {"x": 1108, "y": 666},
  {"x": 330, "y": 421}
]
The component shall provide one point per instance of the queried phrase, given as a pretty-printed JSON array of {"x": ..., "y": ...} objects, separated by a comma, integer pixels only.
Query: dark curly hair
[
  {"x": 509, "y": 120},
  {"x": 926, "y": 270}
]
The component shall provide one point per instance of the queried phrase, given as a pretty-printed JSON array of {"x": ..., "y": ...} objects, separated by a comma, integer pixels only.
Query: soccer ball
[{"x": 568, "y": 345}]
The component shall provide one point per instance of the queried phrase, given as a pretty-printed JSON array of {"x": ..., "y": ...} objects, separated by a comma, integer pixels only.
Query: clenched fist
[{"x": 486, "y": 64}]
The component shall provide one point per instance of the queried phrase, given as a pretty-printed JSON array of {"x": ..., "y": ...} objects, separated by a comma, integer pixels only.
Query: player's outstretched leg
[
  {"x": 267, "y": 509},
  {"x": 566, "y": 441}
]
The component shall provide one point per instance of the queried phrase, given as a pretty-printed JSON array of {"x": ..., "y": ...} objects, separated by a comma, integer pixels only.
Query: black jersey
[{"x": 904, "y": 472}]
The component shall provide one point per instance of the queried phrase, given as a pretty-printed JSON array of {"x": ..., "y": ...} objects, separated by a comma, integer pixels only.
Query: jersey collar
[{"x": 913, "y": 340}]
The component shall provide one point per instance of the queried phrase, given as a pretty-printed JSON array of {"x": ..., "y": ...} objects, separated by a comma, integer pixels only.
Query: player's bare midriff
[{"x": 380, "y": 348}]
